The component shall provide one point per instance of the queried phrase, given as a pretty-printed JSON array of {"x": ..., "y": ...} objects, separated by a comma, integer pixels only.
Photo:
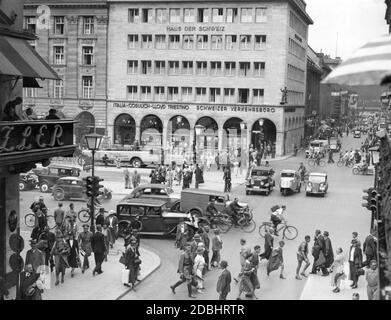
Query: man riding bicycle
[
  {"x": 234, "y": 210},
  {"x": 39, "y": 204},
  {"x": 277, "y": 217},
  {"x": 211, "y": 211}
]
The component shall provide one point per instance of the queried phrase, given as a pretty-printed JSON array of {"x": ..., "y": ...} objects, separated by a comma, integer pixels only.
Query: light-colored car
[
  {"x": 317, "y": 184},
  {"x": 290, "y": 181},
  {"x": 317, "y": 146}
]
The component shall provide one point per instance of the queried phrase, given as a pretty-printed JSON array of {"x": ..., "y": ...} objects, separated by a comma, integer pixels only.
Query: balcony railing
[{"x": 34, "y": 141}]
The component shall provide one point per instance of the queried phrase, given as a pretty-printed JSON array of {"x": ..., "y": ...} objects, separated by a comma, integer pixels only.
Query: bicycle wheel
[
  {"x": 340, "y": 163},
  {"x": 30, "y": 220},
  {"x": 350, "y": 164},
  {"x": 84, "y": 215},
  {"x": 50, "y": 222},
  {"x": 247, "y": 225},
  {"x": 224, "y": 225},
  {"x": 290, "y": 232},
  {"x": 311, "y": 162},
  {"x": 262, "y": 229},
  {"x": 322, "y": 163}
]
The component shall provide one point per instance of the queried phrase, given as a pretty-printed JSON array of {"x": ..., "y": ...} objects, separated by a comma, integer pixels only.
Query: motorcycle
[{"x": 359, "y": 170}]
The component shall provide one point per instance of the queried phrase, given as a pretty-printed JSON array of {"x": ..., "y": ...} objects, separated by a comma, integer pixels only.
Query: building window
[
  {"x": 146, "y": 93},
  {"x": 88, "y": 25},
  {"x": 132, "y": 66},
  {"x": 59, "y": 25},
  {"x": 174, "y": 41},
  {"x": 175, "y": 15},
  {"x": 146, "y": 15},
  {"x": 203, "y": 15},
  {"x": 217, "y": 42},
  {"x": 202, "y": 68},
  {"x": 244, "y": 69},
  {"x": 214, "y": 95},
  {"x": 29, "y": 92},
  {"x": 173, "y": 68},
  {"x": 201, "y": 95},
  {"x": 58, "y": 91},
  {"x": 132, "y": 93},
  {"x": 160, "y": 67},
  {"x": 230, "y": 42},
  {"x": 259, "y": 69},
  {"x": 189, "y": 16},
  {"x": 232, "y": 15},
  {"x": 260, "y": 42},
  {"x": 243, "y": 95},
  {"x": 296, "y": 49},
  {"x": 58, "y": 55},
  {"x": 133, "y": 41},
  {"x": 296, "y": 24},
  {"x": 215, "y": 68},
  {"x": 260, "y": 15},
  {"x": 173, "y": 94},
  {"x": 295, "y": 73},
  {"x": 87, "y": 87},
  {"x": 218, "y": 15},
  {"x": 245, "y": 42},
  {"x": 188, "y": 42},
  {"x": 161, "y": 16},
  {"x": 230, "y": 69},
  {"x": 30, "y": 24},
  {"x": 159, "y": 94},
  {"x": 187, "y": 67},
  {"x": 88, "y": 55},
  {"x": 187, "y": 94},
  {"x": 134, "y": 16},
  {"x": 258, "y": 96},
  {"x": 246, "y": 15},
  {"x": 147, "y": 41},
  {"x": 229, "y": 95},
  {"x": 202, "y": 41},
  {"x": 146, "y": 67},
  {"x": 160, "y": 41}
]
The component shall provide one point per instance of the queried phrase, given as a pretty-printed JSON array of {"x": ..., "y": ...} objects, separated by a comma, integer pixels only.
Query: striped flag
[{"x": 369, "y": 65}]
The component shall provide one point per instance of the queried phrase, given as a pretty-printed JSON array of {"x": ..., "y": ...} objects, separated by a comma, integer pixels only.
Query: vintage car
[
  {"x": 159, "y": 192},
  {"x": 290, "y": 181},
  {"x": 48, "y": 176},
  {"x": 195, "y": 201},
  {"x": 134, "y": 158},
  {"x": 73, "y": 187},
  {"x": 357, "y": 133},
  {"x": 335, "y": 145},
  {"x": 317, "y": 146},
  {"x": 260, "y": 180},
  {"x": 154, "y": 216},
  {"x": 28, "y": 181},
  {"x": 317, "y": 184}
]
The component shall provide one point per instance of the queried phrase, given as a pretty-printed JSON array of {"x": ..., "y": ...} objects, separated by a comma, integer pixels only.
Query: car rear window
[
  {"x": 316, "y": 179},
  {"x": 287, "y": 175}
]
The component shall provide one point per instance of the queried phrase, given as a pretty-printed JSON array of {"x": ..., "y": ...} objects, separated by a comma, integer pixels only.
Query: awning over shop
[{"x": 18, "y": 58}]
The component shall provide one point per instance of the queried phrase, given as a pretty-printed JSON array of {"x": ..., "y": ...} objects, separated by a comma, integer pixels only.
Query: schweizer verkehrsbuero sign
[{"x": 26, "y": 141}]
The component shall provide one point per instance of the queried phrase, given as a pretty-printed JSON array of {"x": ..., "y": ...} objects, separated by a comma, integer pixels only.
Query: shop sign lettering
[
  {"x": 197, "y": 107},
  {"x": 195, "y": 28}
]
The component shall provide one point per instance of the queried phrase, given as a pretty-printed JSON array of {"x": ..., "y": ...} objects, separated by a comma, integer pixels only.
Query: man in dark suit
[
  {"x": 224, "y": 282},
  {"x": 185, "y": 267},
  {"x": 328, "y": 253},
  {"x": 317, "y": 249},
  {"x": 34, "y": 256},
  {"x": 355, "y": 261},
  {"x": 370, "y": 249},
  {"x": 100, "y": 217},
  {"x": 112, "y": 223},
  {"x": 206, "y": 241},
  {"x": 268, "y": 245},
  {"x": 99, "y": 248}
]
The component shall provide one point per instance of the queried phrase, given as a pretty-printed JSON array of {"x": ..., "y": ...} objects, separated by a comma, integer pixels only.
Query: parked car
[
  {"x": 48, "y": 176},
  {"x": 154, "y": 216},
  {"x": 28, "y": 181},
  {"x": 73, "y": 187},
  {"x": 260, "y": 180},
  {"x": 290, "y": 181},
  {"x": 158, "y": 192},
  {"x": 317, "y": 184},
  {"x": 357, "y": 133},
  {"x": 335, "y": 145},
  {"x": 195, "y": 201}
]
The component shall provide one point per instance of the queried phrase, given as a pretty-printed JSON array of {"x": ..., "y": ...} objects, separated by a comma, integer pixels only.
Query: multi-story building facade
[
  {"x": 234, "y": 70},
  {"x": 72, "y": 38}
]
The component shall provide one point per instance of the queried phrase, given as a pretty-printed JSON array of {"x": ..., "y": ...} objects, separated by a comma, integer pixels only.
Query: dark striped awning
[{"x": 18, "y": 58}]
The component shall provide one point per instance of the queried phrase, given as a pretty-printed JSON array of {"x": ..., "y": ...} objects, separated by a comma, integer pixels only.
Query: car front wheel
[
  {"x": 22, "y": 186},
  {"x": 44, "y": 187},
  {"x": 59, "y": 194},
  {"x": 136, "y": 163}
]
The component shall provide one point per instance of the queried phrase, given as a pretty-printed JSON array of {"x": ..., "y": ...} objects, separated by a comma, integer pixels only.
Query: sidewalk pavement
[
  {"x": 319, "y": 288},
  {"x": 106, "y": 286}
]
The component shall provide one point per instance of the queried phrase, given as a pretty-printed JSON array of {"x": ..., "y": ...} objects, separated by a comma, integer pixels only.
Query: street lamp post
[
  {"x": 198, "y": 131},
  {"x": 93, "y": 141},
  {"x": 243, "y": 136}
]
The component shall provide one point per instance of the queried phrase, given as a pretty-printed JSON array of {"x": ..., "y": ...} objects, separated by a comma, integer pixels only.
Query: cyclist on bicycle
[
  {"x": 317, "y": 158},
  {"x": 234, "y": 210},
  {"x": 302, "y": 171},
  {"x": 39, "y": 204},
  {"x": 277, "y": 217},
  {"x": 211, "y": 211}
]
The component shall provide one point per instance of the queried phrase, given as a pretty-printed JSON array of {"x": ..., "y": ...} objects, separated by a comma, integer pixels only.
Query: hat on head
[
  {"x": 101, "y": 209},
  {"x": 197, "y": 236},
  {"x": 33, "y": 241},
  {"x": 216, "y": 231},
  {"x": 112, "y": 212},
  {"x": 318, "y": 231},
  {"x": 326, "y": 233},
  {"x": 224, "y": 264},
  {"x": 200, "y": 250},
  {"x": 59, "y": 233}
]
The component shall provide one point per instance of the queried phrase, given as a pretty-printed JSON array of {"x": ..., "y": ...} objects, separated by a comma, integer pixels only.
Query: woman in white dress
[{"x": 198, "y": 267}]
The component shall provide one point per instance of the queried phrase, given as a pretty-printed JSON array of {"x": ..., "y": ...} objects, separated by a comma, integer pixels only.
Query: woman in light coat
[
  {"x": 198, "y": 267},
  {"x": 338, "y": 269}
]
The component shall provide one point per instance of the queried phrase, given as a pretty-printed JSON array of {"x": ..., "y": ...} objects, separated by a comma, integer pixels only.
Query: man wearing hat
[
  {"x": 84, "y": 240},
  {"x": 34, "y": 256},
  {"x": 99, "y": 248},
  {"x": 185, "y": 267},
  {"x": 224, "y": 282},
  {"x": 100, "y": 217},
  {"x": 59, "y": 215},
  {"x": 198, "y": 267},
  {"x": 112, "y": 223},
  {"x": 28, "y": 284},
  {"x": 217, "y": 246},
  {"x": 328, "y": 253},
  {"x": 194, "y": 245},
  {"x": 317, "y": 249}
]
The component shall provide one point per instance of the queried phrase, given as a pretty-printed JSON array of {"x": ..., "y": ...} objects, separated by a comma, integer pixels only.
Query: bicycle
[
  {"x": 222, "y": 222},
  {"x": 84, "y": 215},
  {"x": 31, "y": 221},
  {"x": 316, "y": 162},
  {"x": 288, "y": 232},
  {"x": 348, "y": 163}
]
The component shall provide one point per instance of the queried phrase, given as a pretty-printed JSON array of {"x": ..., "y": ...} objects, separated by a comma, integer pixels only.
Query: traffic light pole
[{"x": 92, "y": 206}]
